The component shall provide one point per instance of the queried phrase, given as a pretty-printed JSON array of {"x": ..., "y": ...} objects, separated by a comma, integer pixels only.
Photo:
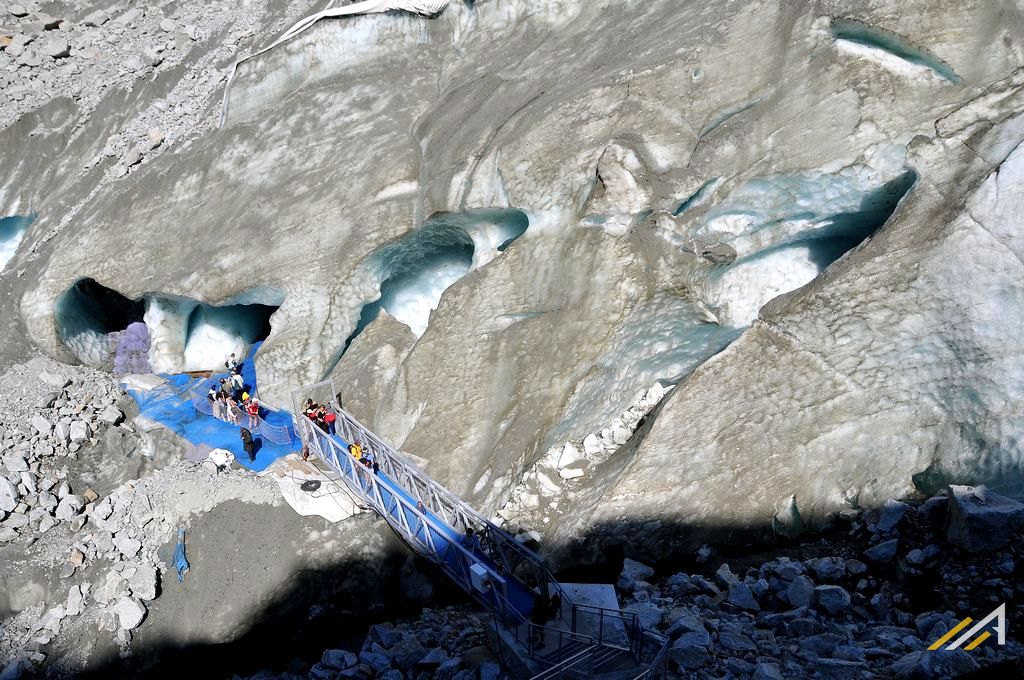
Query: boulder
[
  {"x": 384, "y": 634},
  {"x": 79, "y": 431},
  {"x": 54, "y": 379},
  {"x": 130, "y": 613},
  {"x": 832, "y": 599},
  {"x": 767, "y": 671},
  {"x": 892, "y": 513},
  {"x": 41, "y": 425},
  {"x": 740, "y": 596},
  {"x": 8, "y": 495},
  {"x": 884, "y": 551},
  {"x": 70, "y": 505},
  {"x": 690, "y": 651},
  {"x": 111, "y": 415},
  {"x": 15, "y": 463},
  {"x": 75, "y": 601},
  {"x": 55, "y": 47},
  {"x": 407, "y": 652},
  {"x": 143, "y": 582},
  {"x": 933, "y": 665},
  {"x": 647, "y": 613},
  {"x": 339, "y": 659},
  {"x": 981, "y": 520},
  {"x": 633, "y": 571},
  {"x": 800, "y": 592},
  {"x": 129, "y": 547}
]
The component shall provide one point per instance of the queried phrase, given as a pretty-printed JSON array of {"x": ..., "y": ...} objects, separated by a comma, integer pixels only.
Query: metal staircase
[{"x": 496, "y": 570}]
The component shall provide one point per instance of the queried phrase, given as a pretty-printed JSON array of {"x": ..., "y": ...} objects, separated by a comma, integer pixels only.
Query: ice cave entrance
[
  {"x": 158, "y": 333},
  {"x": 415, "y": 270},
  {"x": 12, "y": 230}
]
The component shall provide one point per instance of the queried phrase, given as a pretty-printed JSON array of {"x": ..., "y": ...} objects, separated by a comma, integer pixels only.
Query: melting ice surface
[
  {"x": 785, "y": 230},
  {"x": 12, "y": 230},
  {"x": 416, "y": 270},
  {"x": 182, "y": 334}
]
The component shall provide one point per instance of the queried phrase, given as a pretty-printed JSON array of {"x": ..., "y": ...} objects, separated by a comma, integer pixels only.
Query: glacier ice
[
  {"x": 179, "y": 334},
  {"x": 12, "y": 230},
  {"x": 416, "y": 270}
]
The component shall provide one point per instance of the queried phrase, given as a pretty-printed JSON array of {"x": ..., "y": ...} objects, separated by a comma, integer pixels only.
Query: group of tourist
[
  {"x": 229, "y": 397},
  {"x": 321, "y": 415},
  {"x": 326, "y": 419}
]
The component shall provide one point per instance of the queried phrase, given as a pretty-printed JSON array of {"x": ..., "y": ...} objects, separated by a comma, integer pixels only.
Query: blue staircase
[{"x": 494, "y": 568}]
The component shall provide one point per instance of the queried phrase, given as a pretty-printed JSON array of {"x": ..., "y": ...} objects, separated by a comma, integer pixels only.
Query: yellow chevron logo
[{"x": 999, "y": 614}]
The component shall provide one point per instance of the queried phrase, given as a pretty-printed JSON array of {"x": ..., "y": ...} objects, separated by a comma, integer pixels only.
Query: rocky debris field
[
  {"x": 78, "y": 559},
  {"x": 868, "y": 604},
  {"x": 443, "y": 644},
  {"x": 865, "y": 600},
  {"x": 85, "y": 50}
]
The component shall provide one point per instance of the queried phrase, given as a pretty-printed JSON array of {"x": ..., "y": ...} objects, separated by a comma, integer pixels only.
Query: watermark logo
[{"x": 999, "y": 614}]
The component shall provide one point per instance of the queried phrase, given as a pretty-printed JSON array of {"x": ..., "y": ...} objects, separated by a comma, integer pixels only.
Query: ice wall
[
  {"x": 12, "y": 230},
  {"x": 416, "y": 270},
  {"x": 176, "y": 333}
]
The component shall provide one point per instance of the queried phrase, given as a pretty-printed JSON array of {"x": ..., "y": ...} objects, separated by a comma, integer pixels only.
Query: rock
[
  {"x": 690, "y": 651},
  {"x": 62, "y": 432},
  {"x": 111, "y": 415},
  {"x": 48, "y": 400},
  {"x": 915, "y": 557},
  {"x": 152, "y": 57},
  {"x": 736, "y": 642},
  {"x": 800, "y": 592},
  {"x": 17, "y": 10},
  {"x": 156, "y": 138},
  {"x": 96, "y": 19},
  {"x": 52, "y": 618},
  {"x": 828, "y": 569},
  {"x": 884, "y": 551},
  {"x": 384, "y": 634},
  {"x": 981, "y": 520},
  {"x": 339, "y": 659},
  {"x": 592, "y": 445},
  {"x": 130, "y": 613},
  {"x": 407, "y": 652},
  {"x": 740, "y": 596},
  {"x": 47, "y": 523},
  {"x": 633, "y": 571},
  {"x": 55, "y": 47},
  {"x": 41, "y": 424},
  {"x": 76, "y": 558},
  {"x": 647, "y": 613},
  {"x": 892, "y": 513},
  {"x": 168, "y": 26},
  {"x": 70, "y": 505},
  {"x": 54, "y": 379},
  {"x": 8, "y": 495},
  {"x": 15, "y": 463},
  {"x": 143, "y": 582},
  {"x": 16, "y": 521},
  {"x": 75, "y": 601},
  {"x": 856, "y": 567},
  {"x": 79, "y": 431},
  {"x": 832, "y": 599},
  {"x": 767, "y": 671},
  {"x": 929, "y": 665},
  {"x": 129, "y": 547}
]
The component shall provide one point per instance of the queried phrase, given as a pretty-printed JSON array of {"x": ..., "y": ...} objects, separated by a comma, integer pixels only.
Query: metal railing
[
  {"x": 432, "y": 520},
  {"x": 279, "y": 434}
]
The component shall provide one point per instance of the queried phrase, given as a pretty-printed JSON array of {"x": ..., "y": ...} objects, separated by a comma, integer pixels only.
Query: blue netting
[{"x": 171, "y": 406}]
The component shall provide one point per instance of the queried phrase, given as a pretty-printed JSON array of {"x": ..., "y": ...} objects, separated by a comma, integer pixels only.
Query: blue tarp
[{"x": 178, "y": 415}]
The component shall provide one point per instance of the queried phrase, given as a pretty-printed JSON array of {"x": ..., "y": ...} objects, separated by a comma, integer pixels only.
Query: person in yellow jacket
[{"x": 356, "y": 449}]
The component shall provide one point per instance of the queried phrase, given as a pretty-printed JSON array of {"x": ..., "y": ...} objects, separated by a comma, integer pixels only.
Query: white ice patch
[
  {"x": 739, "y": 291},
  {"x": 215, "y": 332},
  {"x": 410, "y": 299},
  {"x": 12, "y": 230}
]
